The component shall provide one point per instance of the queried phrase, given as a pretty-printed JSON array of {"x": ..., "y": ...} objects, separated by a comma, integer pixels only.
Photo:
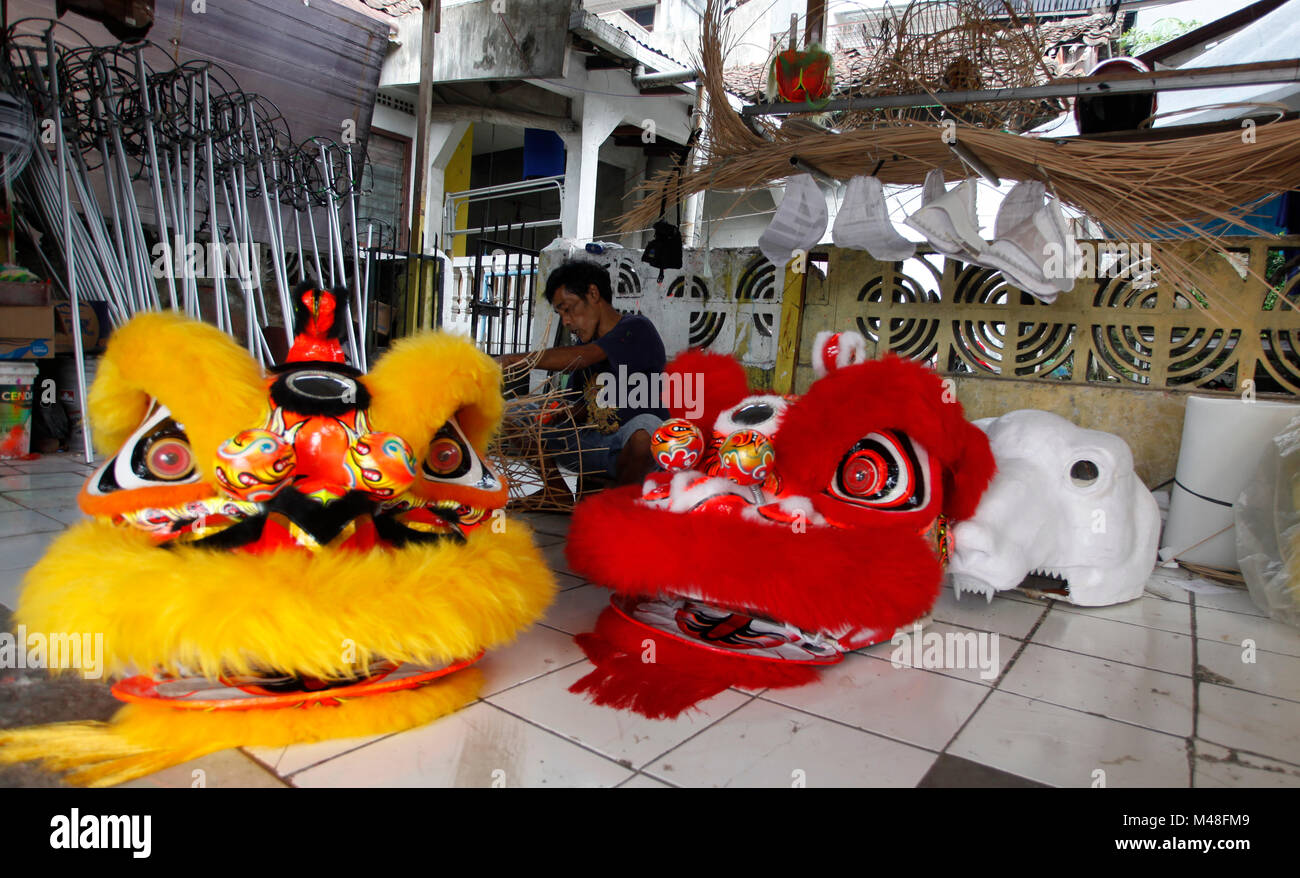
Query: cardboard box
[
  {"x": 26, "y": 332},
  {"x": 94, "y": 327},
  {"x": 30, "y": 295}
]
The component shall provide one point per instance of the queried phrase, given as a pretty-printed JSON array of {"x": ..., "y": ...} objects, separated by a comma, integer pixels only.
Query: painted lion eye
[
  {"x": 884, "y": 471},
  {"x": 450, "y": 458},
  {"x": 169, "y": 459},
  {"x": 445, "y": 456},
  {"x": 864, "y": 473}
]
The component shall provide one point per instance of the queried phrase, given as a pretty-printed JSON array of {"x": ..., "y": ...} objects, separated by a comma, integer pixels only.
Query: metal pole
[
  {"x": 280, "y": 282},
  {"x": 356, "y": 262},
  {"x": 160, "y": 217},
  {"x": 365, "y": 292},
  {"x": 214, "y": 232},
  {"x": 297, "y": 225},
  {"x": 315, "y": 248},
  {"x": 78, "y": 349}
]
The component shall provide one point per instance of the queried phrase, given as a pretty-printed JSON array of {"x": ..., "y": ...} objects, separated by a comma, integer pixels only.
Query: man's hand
[{"x": 564, "y": 359}]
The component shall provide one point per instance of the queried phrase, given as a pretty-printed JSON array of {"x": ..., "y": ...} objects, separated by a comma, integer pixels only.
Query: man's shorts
[{"x": 594, "y": 452}]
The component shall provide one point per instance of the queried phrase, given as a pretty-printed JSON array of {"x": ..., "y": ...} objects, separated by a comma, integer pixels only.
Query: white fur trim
[
  {"x": 726, "y": 426},
  {"x": 685, "y": 497}
]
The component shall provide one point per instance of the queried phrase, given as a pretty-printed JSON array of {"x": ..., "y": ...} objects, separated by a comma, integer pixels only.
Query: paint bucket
[{"x": 17, "y": 387}]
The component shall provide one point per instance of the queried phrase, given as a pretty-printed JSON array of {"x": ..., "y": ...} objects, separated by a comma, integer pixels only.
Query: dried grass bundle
[
  {"x": 951, "y": 46},
  {"x": 1139, "y": 191}
]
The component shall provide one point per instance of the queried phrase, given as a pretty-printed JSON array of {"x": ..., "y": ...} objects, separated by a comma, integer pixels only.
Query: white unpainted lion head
[{"x": 1065, "y": 503}]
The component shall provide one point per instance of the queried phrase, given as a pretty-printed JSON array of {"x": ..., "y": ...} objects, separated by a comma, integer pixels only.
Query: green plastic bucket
[{"x": 17, "y": 386}]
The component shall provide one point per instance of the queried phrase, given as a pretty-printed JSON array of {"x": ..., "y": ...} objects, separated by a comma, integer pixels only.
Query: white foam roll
[{"x": 1223, "y": 440}]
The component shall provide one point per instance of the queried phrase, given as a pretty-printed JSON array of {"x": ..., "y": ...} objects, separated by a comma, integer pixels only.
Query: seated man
[{"x": 616, "y": 346}]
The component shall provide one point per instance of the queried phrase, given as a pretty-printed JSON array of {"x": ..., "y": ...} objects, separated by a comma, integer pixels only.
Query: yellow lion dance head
[{"x": 283, "y": 557}]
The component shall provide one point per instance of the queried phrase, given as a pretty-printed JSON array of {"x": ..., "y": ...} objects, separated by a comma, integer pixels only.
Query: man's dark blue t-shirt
[{"x": 632, "y": 373}]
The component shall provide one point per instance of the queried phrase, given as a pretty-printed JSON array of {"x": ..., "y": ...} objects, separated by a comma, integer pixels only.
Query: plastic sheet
[{"x": 1267, "y": 525}]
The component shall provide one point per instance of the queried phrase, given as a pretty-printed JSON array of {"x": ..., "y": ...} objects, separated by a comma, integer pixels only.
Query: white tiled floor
[{"x": 1171, "y": 690}]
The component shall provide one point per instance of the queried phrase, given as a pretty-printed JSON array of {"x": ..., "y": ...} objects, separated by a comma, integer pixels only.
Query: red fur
[
  {"x": 720, "y": 378},
  {"x": 892, "y": 393},
  {"x": 876, "y": 572},
  {"x": 679, "y": 677},
  {"x": 820, "y": 579},
  {"x": 964, "y": 484}
]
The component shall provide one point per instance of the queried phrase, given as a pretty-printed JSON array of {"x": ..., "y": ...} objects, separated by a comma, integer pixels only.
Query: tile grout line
[
  {"x": 24, "y": 506},
  {"x": 849, "y": 725},
  {"x": 1191, "y": 634},
  {"x": 1074, "y": 610},
  {"x": 993, "y": 687},
  {"x": 513, "y": 686},
  {"x": 692, "y": 737},
  {"x": 624, "y": 764},
  {"x": 568, "y": 634},
  {"x": 1245, "y": 690},
  {"x": 640, "y": 773},
  {"x": 260, "y": 764},
  {"x": 1025, "y": 641},
  {"x": 1123, "y": 622},
  {"x": 1231, "y": 749},
  {"x": 297, "y": 771},
  {"x": 1093, "y": 713},
  {"x": 482, "y": 699},
  {"x": 1098, "y": 715}
]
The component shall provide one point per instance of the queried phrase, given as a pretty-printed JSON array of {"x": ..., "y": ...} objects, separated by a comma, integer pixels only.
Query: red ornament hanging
[{"x": 806, "y": 76}]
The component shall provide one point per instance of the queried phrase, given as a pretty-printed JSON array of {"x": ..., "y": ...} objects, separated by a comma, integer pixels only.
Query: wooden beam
[
  {"x": 791, "y": 327},
  {"x": 814, "y": 29}
]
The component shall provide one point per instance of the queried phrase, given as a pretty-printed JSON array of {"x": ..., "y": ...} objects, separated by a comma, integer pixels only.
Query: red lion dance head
[{"x": 781, "y": 533}]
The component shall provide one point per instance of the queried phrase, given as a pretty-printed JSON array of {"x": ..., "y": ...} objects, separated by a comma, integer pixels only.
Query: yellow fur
[
  {"x": 428, "y": 378},
  {"x": 326, "y": 614},
  {"x": 210, "y": 384},
  {"x": 215, "y": 612},
  {"x": 143, "y": 739}
]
